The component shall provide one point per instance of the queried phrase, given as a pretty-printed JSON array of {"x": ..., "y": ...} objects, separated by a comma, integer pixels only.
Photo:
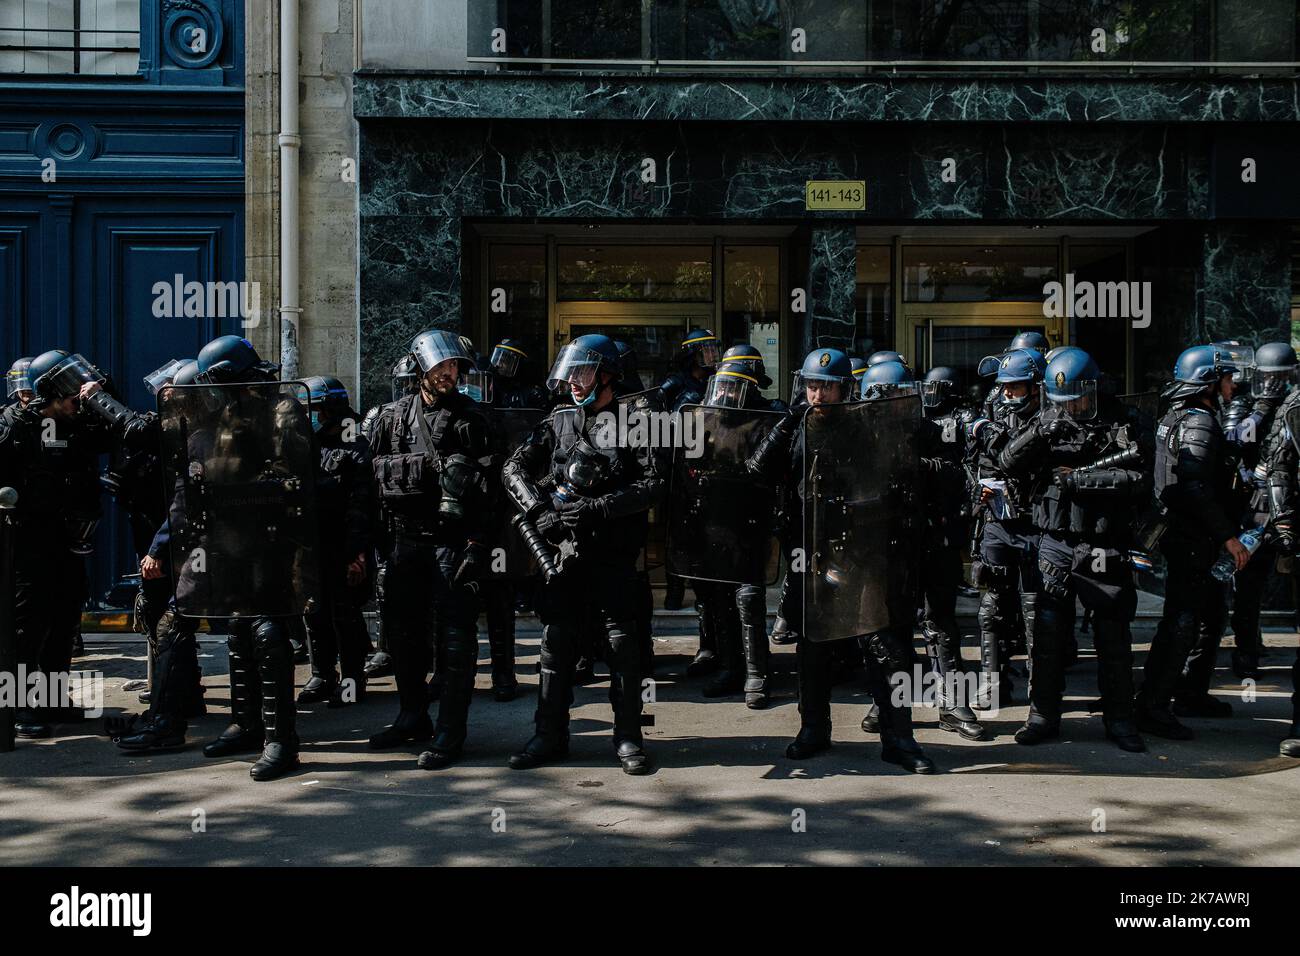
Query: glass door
[{"x": 654, "y": 338}]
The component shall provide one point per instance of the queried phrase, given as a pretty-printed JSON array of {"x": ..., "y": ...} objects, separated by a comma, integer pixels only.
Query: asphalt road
[{"x": 722, "y": 793}]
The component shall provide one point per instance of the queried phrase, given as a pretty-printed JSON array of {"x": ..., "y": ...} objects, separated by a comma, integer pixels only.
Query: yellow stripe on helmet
[
  {"x": 511, "y": 348},
  {"x": 700, "y": 338},
  {"x": 747, "y": 378}
]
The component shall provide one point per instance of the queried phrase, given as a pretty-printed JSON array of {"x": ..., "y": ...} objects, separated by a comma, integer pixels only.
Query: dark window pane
[
  {"x": 751, "y": 304},
  {"x": 1106, "y": 340},
  {"x": 521, "y": 271},
  {"x": 875, "y": 300},
  {"x": 636, "y": 273},
  {"x": 977, "y": 273}
]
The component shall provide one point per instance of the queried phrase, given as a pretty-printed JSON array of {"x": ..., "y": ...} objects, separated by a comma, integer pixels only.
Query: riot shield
[
  {"x": 510, "y": 428},
  {"x": 861, "y": 515},
  {"x": 721, "y": 519},
  {"x": 238, "y": 468},
  {"x": 1291, "y": 418}
]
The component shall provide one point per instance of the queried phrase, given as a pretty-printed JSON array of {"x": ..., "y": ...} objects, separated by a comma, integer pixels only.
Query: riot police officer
[
  {"x": 509, "y": 364},
  {"x": 826, "y": 378},
  {"x": 582, "y": 488},
  {"x": 263, "y": 715},
  {"x": 1007, "y": 565},
  {"x": 740, "y": 611},
  {"x": 1282, "y": 462},
  {"x": 631, "y": 382},
  {"x": 860, "y": 367},
  {"x": 430, "y": 455},
  {"x": 49, "y": 450},
  {"x": 346, "y": 513},
  {"x": 695, "y": 361},
  {"x": 947, "y": 532},
  {"x": 1193, "y": 476},
  {"x": 1087, "y": 476},
  {"x": 405, "y": 381},
  {"x": 1254, "y": 430},
  {"x": 18, "y": 382}
]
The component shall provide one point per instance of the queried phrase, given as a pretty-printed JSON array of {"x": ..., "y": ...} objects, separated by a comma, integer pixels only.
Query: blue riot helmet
[
  {"x": 887, "y": 355},
  {"x": 406, "y": 377},
  {"x": 60, "y": 374},
  {"x": 939, "y": 386},
  {"x": 733, "y": 385},
  {"x": 18, "y": 381},
  {"x": 187, "y": 374},
  {"x": 1275, "y": 370},
  {"x": 327, "y": 399},
  {"x": 859, "y": 369},
  {"x": 1029, "y": 340},
  {"x": 887, "y": 380},
  {"x": 1071, "y": 384},
  {"x": 700, "y": 347},
  {"x": 229, "y": 358},
  {"x": 751, "y": 356},
  {"x": 826, "y": 377},
  {"x": 508, "y": 357},
  {"x": 579, "y": 364},
  {"x": 1022, "y": 366},
  {"x": 1199, "y": 370}
]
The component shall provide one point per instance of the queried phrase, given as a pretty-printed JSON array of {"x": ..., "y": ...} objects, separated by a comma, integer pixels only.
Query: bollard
[{"x": 8, "y": 634}]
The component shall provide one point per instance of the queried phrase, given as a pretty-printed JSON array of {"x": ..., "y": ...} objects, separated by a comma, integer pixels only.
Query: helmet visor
[
  {"x": 933, "y": 393},
  {"x": 18, "y": 379},
  {"x": 824, "y": 389},
  {"x": 1240, "y": 357},
  {"x": 873, "y": 391},
  {"x": 163, "y": 375},
  {"x": 66, "y": 378},
  {"x": 1076, "y": 401},
  {"x": 477, "y": 385},
  {"x": 730, "y": 389},
  {"x": 432, "y": 348},
  {"x": 575, "y": 365},
  {"x": 506, "y": 360},
  {"x": 1274, "y": 384},
  {"x": 707, "y": 354},
  {"x": 988, "y": 366}
]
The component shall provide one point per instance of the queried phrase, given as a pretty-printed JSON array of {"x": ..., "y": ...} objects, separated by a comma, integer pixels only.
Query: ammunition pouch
[{"x": 406, "y": 477}]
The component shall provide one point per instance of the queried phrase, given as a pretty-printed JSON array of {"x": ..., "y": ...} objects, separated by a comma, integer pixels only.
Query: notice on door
[{"x": 837, "y": 194}]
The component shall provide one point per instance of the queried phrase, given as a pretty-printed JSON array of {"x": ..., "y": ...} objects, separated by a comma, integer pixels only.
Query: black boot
[
  {"x": 379, "y": 665},
  {"x": 625, "y": 697},
  {"x": 279, "y": 716},
  {"x": 898, "y": 744},
  {"x": 730, "y": 679},
  {"x": 1160, "y": 722},
  {"x": 1290, "y": 747},
  {"x": 461, "y": 661},
  {"x": 316, "y": 690},
  {"x": 871, "y": 722},
  {"x": 945, "y": 660},
  {"x": 1201, "y": 705},
  {"x": 1038, "y": 729},
  {"x": 505, "y": 686},
  {"x": 158, "y": 735},
  {"x": 245, "y": 733},
  {"x": 674, "y": 592},
  {"x": 753, "y": 639},
  {"x": 550, "y": 742},
  {"x": 1125, "y": 735},
  {"x": 1114, "y": 645},
  {"x": 811, "y": 741},
  {"x": 989, "y": 696}
]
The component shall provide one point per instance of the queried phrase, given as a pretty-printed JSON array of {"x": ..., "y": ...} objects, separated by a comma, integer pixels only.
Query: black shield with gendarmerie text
[
  {"x": 862, "y": 516},
  {"x": 239, "y": 463},
  {"x": 722, "y": 520}
]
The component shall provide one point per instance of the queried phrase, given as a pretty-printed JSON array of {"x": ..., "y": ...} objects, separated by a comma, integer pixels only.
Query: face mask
[{"x": 473, "y": 392}]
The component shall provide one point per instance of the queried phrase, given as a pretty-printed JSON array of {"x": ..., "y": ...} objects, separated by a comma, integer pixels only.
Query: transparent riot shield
[
  {"x": 721, "y": 519},
  {"x": 861, "y": 516},
  {"x": 238, "y": 467},
  {"x": 511, "y": 427}
]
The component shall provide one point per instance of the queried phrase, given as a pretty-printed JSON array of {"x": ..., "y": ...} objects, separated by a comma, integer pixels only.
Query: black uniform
[
  {"x": 1086, "y": 517},
  {"x": 1193, "y": 480},
  {"x": 889, "y": 653},
  {"x": 947, "y": 532},
  {"x": 438, "y": 538},
  {"x": 1007, "y": 565},
  {"x": 53, "y": 465},
  {"x": 346, "y": 512},
  {"x": 607, "y": 511},
  {"x": 678, "y": 389}
]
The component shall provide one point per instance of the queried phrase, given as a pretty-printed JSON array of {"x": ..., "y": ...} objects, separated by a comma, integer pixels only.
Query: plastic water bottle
[{"x": 1225, "y": 567}]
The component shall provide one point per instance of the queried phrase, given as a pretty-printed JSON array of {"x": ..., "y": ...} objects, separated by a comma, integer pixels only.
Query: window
[
  {"x": 616, "y": 273},
  {"x": 1005, "y": 273},
  {"x": 875, "y": 300},
  {"x": 751, "y": 304},
  {"x": 97, "y": 37},
  {"x": 520, "y": 272}
]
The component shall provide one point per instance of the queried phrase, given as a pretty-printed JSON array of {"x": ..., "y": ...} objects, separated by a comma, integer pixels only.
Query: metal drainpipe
[{"x": 290, "y": 143}]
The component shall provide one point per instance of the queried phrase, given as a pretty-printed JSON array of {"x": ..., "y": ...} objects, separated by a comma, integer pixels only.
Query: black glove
[
  {"x": 1056, "y": 429},
  {"x": 582, "y": 514},
  {"x": 1285, "y": 537},
  {"x": 551, "y": 527},
  {"x": 471, "y": 566}
]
